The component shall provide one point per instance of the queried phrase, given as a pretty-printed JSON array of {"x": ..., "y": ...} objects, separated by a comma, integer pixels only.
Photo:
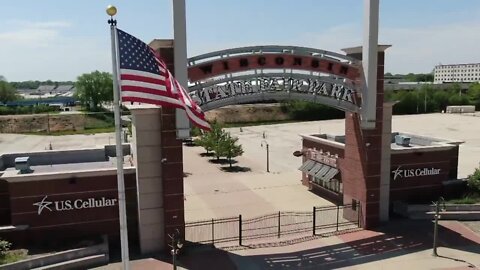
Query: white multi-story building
[{"x": 457, "y": 73}]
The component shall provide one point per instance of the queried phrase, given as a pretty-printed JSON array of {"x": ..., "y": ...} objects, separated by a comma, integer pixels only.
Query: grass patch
[
  {"x": 468, "y": 199},
  {"x": 13, "y": 256},
  {"x": 86, "y": 131}
]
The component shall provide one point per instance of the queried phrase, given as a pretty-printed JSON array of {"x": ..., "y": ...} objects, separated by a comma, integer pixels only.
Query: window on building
[{"x": 333, "y": 185}]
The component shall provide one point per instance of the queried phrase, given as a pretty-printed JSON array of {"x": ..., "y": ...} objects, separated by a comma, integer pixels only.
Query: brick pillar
[
  {"x": 361, "y": 175},
  {"x": 172, "y": 157},
  {"x": 4, "y": 203}
]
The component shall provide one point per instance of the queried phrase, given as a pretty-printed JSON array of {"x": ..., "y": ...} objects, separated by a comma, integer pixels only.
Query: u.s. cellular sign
[{"x": 251, "y": 74}]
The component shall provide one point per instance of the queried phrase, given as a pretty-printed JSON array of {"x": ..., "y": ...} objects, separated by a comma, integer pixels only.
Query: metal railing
[{"x": 237, "y": 230}]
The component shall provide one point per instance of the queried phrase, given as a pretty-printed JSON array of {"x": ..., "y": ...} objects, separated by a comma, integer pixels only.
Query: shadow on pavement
[
  {"x": 206, "y": 257},
  {"x": 457, "y": 260},
  {"x": 222, "y": 161},
  {"x": 235, "y": 169},
  {"x": 399, "y": 237}
]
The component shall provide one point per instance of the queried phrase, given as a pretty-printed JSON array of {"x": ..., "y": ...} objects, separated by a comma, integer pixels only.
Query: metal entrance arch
[{"x": 275, "y": 73}]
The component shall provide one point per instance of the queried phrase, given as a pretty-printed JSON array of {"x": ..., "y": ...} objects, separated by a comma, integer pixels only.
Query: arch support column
[{"x": 366, "y": 178}]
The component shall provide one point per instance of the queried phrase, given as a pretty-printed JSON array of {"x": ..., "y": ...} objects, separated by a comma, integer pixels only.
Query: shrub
[
  {"x": 474, "y": 181},
  {"x": 26, "y": 109},
  {"x": 4, "y": 247}
]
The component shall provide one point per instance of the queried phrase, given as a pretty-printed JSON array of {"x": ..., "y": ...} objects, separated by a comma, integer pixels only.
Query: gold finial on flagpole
[{"x": 111, "y": 10}]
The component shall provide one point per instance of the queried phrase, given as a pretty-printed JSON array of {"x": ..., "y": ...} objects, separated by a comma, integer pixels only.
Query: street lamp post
[
  {"x": 435, "y": 226},
  {"x": 176, "y": 246},
  {"x": 268, "y": 154}
]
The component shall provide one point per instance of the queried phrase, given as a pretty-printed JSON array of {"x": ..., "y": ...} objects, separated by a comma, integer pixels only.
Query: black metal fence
[{"x": 237, "y": 230}]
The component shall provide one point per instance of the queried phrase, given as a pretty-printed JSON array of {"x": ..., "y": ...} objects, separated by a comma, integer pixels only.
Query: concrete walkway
[{"x": 401, "y": 244}]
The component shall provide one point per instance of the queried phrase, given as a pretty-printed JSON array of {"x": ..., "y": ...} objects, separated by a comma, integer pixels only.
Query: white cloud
[
  {"x": 43, "y": 50},
  {"x": 414, "y": 49},
  {"x": 420, "y": 49}
]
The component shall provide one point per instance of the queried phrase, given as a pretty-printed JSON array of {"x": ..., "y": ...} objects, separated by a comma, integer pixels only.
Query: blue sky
[{"x": 59, "y": 40}]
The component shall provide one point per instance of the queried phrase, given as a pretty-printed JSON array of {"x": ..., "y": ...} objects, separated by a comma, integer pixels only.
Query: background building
[{"x": 457, "y": 73}]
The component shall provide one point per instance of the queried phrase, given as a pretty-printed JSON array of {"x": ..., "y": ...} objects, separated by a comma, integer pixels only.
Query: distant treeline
[
  {"x": 426, "y": 100},
  {"x": 429, "y": 99},
  {"x": 36, "y": 84},
  {"x": 411, "y": 77}
]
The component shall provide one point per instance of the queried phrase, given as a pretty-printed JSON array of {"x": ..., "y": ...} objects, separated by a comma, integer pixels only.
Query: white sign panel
[
  {"x": 68, "y": 205},
  {"x": 408, "y": 173}
]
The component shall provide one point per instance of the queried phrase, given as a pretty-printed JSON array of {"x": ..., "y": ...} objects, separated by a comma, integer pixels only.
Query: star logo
[
  {"x": 42, "y": 205},
  {"x": 397, "y": 173}
]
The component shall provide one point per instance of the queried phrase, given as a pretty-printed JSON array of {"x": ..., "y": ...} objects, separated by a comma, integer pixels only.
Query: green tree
[
  {"x": 209, "y": 140},
  {"x": 408, "y": 102},
  {"x": 92, "y": 89},
  {"x": 455, "y": 95},
  {"x": 195, "y": 132},
  {"x": 474, "y": 181},
  {"x": 217, "y": 138},
  {"x": 474, "y": 95},
  {"x": 230, "y": 148},
  {"x": 7, "y": 92},
  {"x": 441, "y": 99},
  {"x": 421, "y": 77}
]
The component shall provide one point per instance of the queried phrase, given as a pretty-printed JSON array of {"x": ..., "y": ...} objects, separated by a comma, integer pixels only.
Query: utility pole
[{"x": 268, "y": 154}]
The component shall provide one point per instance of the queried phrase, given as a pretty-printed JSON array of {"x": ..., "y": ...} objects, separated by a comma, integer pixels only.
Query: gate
[{"x": 237, "y": 231}]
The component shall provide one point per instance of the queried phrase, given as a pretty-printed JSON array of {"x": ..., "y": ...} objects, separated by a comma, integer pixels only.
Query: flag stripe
[
  {"x": 128, "y": 88},
  {"x": 197, "y": 120},
  {"x": 151, "y": 101},
  {"x": 149, "y": 96},
  {"x": 142, "y": 78},
  {"x": 139, "y": 84},
  {"x": 144, "y": 73}
]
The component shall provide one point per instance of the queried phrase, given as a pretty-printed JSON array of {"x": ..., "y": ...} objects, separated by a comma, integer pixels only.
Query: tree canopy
[
  {"x": 229, "y": 148},
  {"x": 220, "y": 142},
  {"x": 474, "y": 94},
  {"x": 427, "y": 77},
  {"x": 7, "y": 92},
  {"x": 430, "y": 99},
  {"x": 94, "y": 88}
]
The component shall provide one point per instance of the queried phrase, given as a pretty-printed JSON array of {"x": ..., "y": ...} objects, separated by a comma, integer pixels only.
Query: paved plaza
[{"x": 213, "y": 193}]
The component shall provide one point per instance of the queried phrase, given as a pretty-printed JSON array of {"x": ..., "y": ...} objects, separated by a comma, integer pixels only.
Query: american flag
[{"x": 144, "y": 78}]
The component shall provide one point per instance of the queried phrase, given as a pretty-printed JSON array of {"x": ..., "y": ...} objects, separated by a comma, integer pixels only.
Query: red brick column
[
  {"x": 172, "y": 164},
  {"x": 4, "y": 203},
  {"x": 363, "y": 148}
]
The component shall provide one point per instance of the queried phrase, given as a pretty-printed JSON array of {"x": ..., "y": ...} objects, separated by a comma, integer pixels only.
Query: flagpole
[{"x": 111, "y": 10}]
